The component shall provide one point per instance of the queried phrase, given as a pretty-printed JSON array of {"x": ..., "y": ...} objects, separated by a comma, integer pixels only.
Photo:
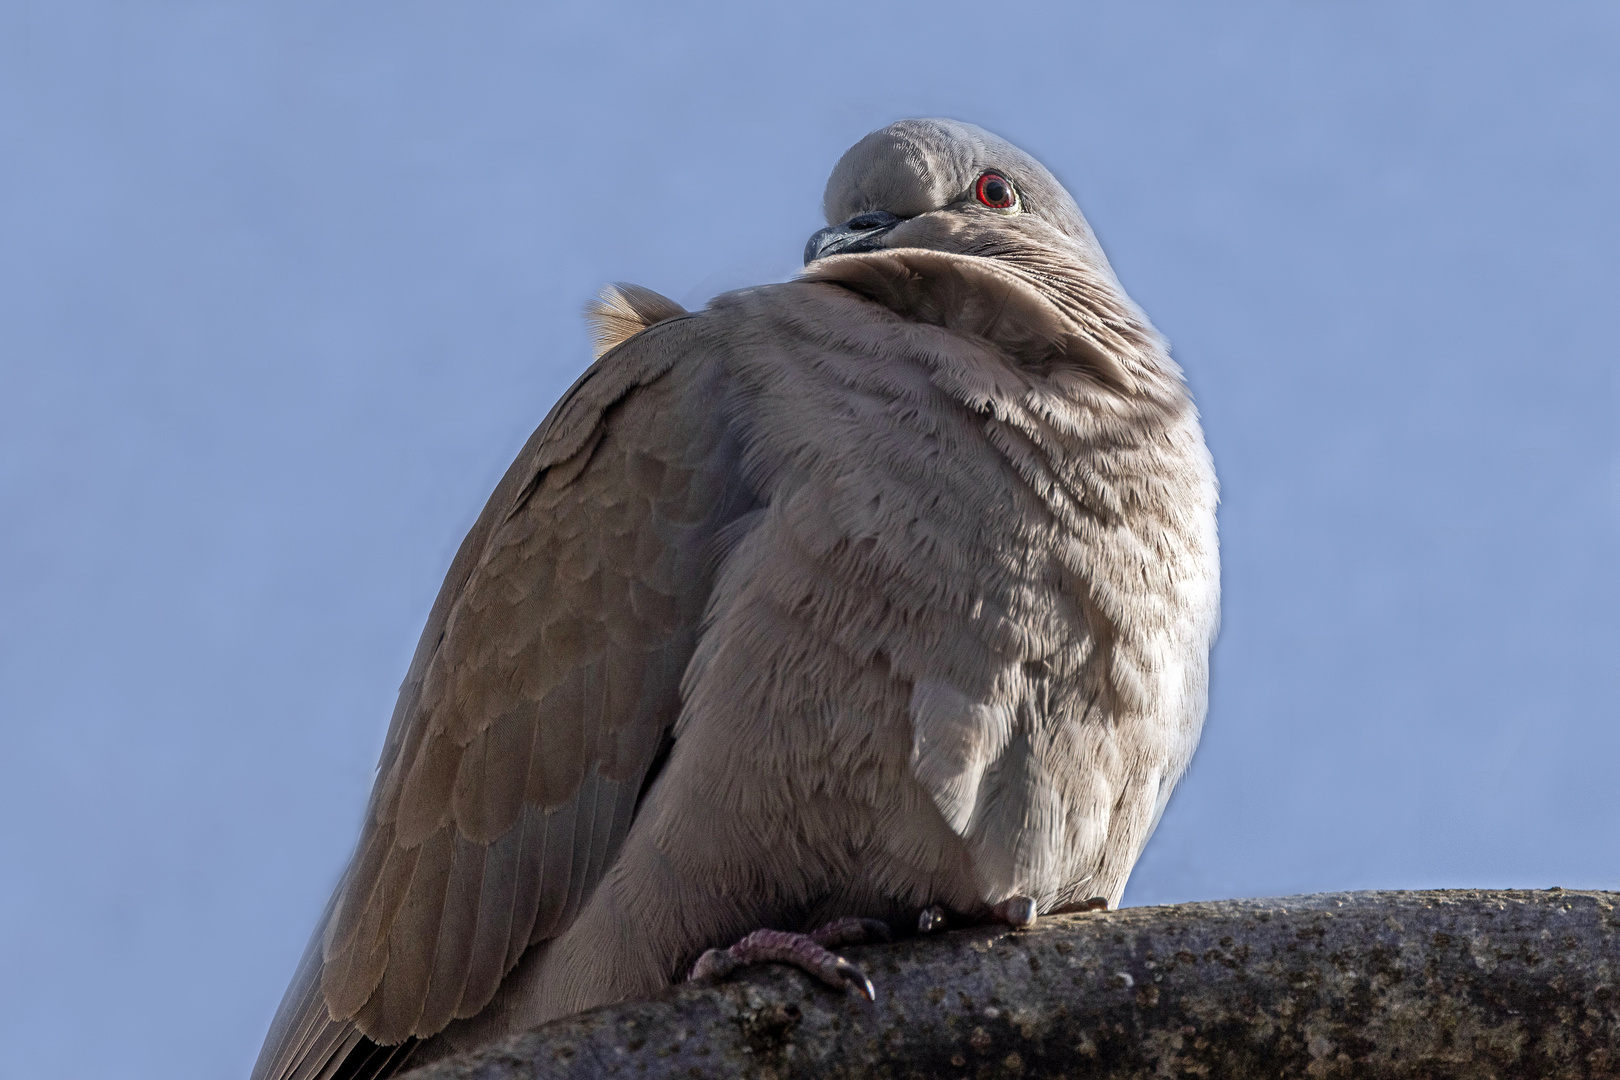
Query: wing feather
[
  {"x": 502, "y": 866},
  {"x": 545, "y": 684},
  {"x": 452, "y": 956}
]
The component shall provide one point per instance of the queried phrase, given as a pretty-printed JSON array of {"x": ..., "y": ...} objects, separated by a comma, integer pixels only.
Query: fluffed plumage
[{"x": 886, "y": 587}]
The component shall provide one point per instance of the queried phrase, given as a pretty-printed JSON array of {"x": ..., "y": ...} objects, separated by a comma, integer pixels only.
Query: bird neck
[{"x": 1049, "y": 313}]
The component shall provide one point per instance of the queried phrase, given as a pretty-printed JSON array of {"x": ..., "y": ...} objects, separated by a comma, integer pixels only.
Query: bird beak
[{"x": 859, "y": 233}]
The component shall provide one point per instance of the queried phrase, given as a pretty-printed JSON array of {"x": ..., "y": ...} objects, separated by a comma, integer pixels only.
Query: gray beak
[{"x": 859, "y": 233}]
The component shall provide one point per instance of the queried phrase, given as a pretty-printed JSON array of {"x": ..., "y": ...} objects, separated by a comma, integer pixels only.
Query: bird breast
[{"x": 1001, "y": 578}]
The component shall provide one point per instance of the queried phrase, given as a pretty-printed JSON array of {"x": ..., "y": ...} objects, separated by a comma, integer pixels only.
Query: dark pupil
[{"x": 995, "y": 191}]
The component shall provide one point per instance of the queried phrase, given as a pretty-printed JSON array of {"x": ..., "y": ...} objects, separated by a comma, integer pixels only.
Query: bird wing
[{"x": 542, "y": 691}]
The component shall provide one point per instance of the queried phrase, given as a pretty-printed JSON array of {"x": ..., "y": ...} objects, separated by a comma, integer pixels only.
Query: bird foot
[
  {"x": 851, "y": 930},
  {"x": 932, "y": 920},
  {"x": 811, "y": 953}
]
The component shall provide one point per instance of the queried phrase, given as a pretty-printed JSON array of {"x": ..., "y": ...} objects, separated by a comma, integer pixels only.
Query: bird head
[
  {"x": 943, "y": 185},
  {"x": 944, "y": 223}
]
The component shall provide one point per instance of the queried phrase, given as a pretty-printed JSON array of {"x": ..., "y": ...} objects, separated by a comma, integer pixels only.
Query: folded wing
[{"x": 541, "y": 694}]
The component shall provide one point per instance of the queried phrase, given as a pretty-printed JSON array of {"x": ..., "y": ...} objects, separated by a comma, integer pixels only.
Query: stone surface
[{"x": 1380, "y": 984}]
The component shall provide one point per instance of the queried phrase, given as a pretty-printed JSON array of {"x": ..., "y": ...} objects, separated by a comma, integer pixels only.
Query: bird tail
[{"x": 622, "y": 311}]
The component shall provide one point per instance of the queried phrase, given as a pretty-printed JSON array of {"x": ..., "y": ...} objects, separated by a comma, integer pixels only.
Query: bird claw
[
  {"x": 1017, "y": 912},
  {"x": 807, "y": 952},
  {"x": 714, "y": 964},
  {"x": 931, "y": 920},
  {"x": 855, "y": 977},
  {"x": 1096, "y": 903}
]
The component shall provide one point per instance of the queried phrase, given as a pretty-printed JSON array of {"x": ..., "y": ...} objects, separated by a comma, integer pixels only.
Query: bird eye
[{"x": 996, "y": 192}]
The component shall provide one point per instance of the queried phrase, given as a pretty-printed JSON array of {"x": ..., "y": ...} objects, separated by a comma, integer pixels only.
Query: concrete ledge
[{"x": 1376, "y": 984}]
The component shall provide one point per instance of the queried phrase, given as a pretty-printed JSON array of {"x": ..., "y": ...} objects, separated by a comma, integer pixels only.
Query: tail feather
[{"x": 622, "y": 311}]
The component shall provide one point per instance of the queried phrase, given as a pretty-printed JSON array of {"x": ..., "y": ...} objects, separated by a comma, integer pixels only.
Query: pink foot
[{"x": 810, "y": 953}]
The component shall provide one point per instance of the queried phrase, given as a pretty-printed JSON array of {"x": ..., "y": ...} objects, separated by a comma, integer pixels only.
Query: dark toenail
[{"x": 856, "y": 978}]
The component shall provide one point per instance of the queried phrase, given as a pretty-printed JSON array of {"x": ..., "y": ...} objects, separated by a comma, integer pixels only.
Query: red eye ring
[{"x": 995, "y": 191}]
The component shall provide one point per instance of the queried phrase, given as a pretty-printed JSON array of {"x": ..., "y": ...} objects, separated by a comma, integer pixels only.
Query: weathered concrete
[{"x": 1391, "y": 984}]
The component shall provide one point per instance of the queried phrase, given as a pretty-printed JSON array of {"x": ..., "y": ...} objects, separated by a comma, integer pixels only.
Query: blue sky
[{"x": 284, "y": 286}]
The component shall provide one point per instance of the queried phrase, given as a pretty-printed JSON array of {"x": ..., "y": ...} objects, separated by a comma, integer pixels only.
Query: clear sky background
[{"x": 285, "y": 285}]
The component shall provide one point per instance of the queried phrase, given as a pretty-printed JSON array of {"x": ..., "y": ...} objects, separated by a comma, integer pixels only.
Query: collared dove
[{"x": 885, "y": 593}]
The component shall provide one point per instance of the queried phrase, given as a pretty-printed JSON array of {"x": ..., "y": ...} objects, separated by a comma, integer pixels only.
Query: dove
[{"x": 878, "y": 598}]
